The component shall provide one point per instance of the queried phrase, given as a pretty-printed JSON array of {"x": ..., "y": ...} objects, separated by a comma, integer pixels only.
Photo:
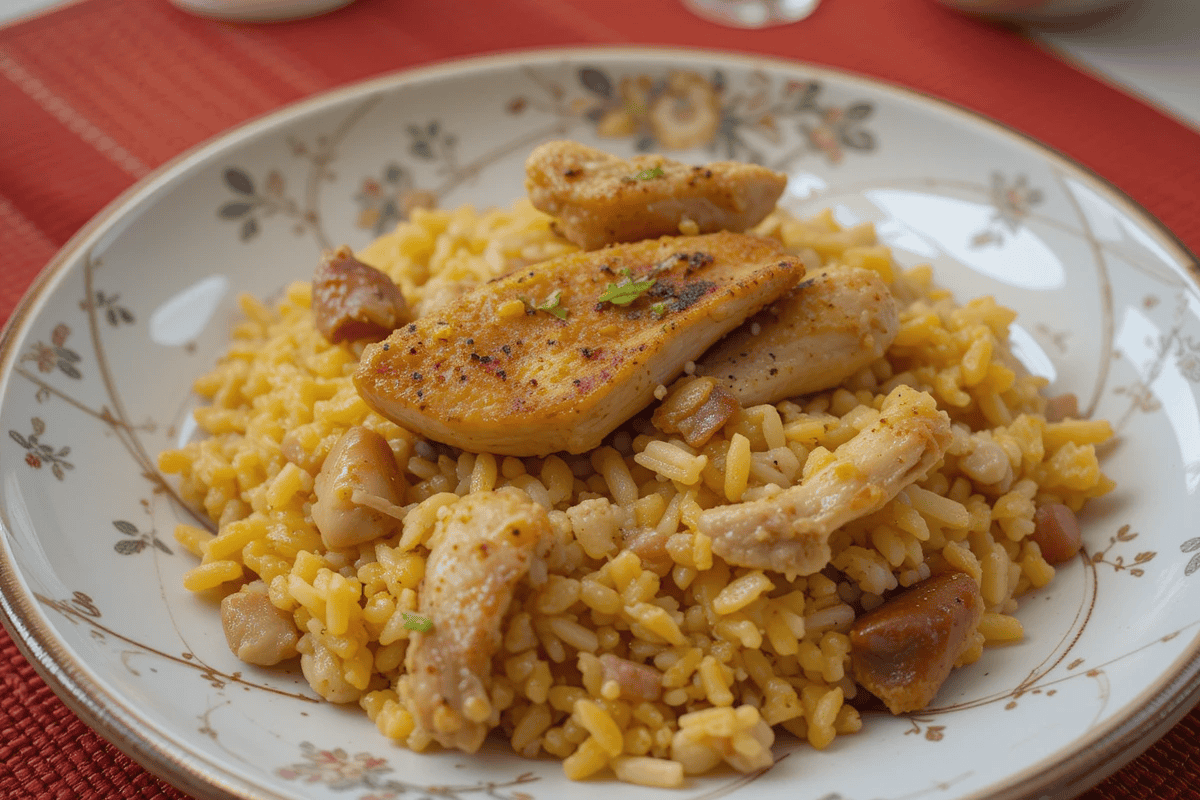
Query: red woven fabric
[{"x": 95, "y": 95}]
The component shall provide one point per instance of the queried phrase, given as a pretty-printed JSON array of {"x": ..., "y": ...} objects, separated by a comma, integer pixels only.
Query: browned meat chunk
[
  {"x": 638, "y": 682},
  {"x": 650, "y": 546},
  {"x": 353, "y": 301},
  {"x": 359, "y": 490},
  {"x": 599, "y": 199},
  {"x": 1062, "y": 406},
  {"x": 1056, "y": 531},
  {"x": 696, "y": 408},
  {"x": 257, "y": 632},
  {"x": 903, "y": 651},
  {"x": 556, "y": 356}
]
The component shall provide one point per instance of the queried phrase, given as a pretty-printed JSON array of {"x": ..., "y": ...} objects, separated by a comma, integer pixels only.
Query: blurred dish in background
[
  {"x": 258, "y": 10},
  {"x": 751, "y": 13},
  {"x": 1033, "y": 10}
]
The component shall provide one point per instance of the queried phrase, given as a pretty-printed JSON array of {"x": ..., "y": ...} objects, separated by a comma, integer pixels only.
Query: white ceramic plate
[{"x": 98, "y": 361}]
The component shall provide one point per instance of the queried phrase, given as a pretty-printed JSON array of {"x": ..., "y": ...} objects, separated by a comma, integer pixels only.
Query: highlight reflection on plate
[{"x": 98, "y": 363}]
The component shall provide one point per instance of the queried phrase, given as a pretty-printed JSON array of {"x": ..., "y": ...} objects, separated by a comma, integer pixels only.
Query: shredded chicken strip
[
  {"x": 789, "y": 532},
  {"x": 478, "y": 553}
]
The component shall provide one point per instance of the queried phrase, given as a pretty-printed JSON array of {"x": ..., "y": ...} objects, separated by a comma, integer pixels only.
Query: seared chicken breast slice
[
  {"x": 789, "y": 532},
  {"x": 833, "y": 325},
  {"x": 556, "y": 356},
  {"x": 478, "y": 553},
  {"x": 598, "y": 199}
]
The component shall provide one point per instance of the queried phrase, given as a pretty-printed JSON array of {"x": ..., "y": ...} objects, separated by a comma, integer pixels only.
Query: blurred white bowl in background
[
  {"x": 1032, "y": 10},
  {"x": 258, "y": 10}
]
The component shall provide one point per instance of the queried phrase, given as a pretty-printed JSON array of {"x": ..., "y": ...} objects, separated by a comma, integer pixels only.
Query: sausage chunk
[
  {"x": 903, "y": 651},
  {"x": 353, "y": 300},
  {"x": 638, "y": 682},
  {"x": 1056, "y": 531}
]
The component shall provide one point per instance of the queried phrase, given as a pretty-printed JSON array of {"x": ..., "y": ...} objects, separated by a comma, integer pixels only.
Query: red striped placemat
[{"x": 97, "y": 94}]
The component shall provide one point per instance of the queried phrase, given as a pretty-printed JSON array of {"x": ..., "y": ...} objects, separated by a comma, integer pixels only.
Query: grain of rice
[
  {"x": 837, "y": 616},
  {"x": 558, "y": 479},
  {"x": 548, "y": 639},
  {"x": 589, "y": 758},
  {"x": 963, "y": 560},
  {"x": 994, "y": 570},
  {"x": 574, "y": 635},
  {"x": 668, "y": 522},
  {"x": 716, "y": 686},
  {"x": 531, "y": 724},
  {"x": 658, "y": 772},
  {"x": 602, "y": 598},
  {"x": 672, "y": 462},
  {"x": 537, "y": 686},
  {"x": 600, "y": 724},
  {"x": 557, "y": 595},
  {"x": 534, "y": 488},
  {"x": 1000, "y": 628},
  {"x": 611, "y": 466},
  {"x": 211, "y": 575},
  {"x": 742, "y": 592},
  {"x": 1076, "y": 431},
  {"x": 939, "y": 508},
  {"x": 195, "y": 540}
]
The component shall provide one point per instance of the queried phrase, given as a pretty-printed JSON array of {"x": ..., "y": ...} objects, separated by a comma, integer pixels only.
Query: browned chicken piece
[
  {"x": 695, "y": 408},
  {"x": 352, "y": 300},
  {"x": 903, "y": 651},
  {"x": 257, "y": 632},
  {"x": 478, "y": 553},
  {"x": 359, "y": 490},
  {"x": 638, "y": 682},
  {"x": 599, "y": 199},
  {"x": 789, "y": 532},
  {"x": 832, "y": 326},
  {"x": 556, "y": 356}
]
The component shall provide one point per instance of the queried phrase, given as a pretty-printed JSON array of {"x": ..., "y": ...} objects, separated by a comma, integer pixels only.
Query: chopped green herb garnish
[
  {"x": 552, "y": 305},
  {"x": 650, "y": 174},
  {"x": 416, "y": 622},
  {"x": 659, "y": 309},
  {"x": 626, "y": 291}
]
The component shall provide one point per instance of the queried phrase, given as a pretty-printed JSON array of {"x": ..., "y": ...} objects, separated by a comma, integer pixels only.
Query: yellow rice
[{"x": 742, "y": 652}]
